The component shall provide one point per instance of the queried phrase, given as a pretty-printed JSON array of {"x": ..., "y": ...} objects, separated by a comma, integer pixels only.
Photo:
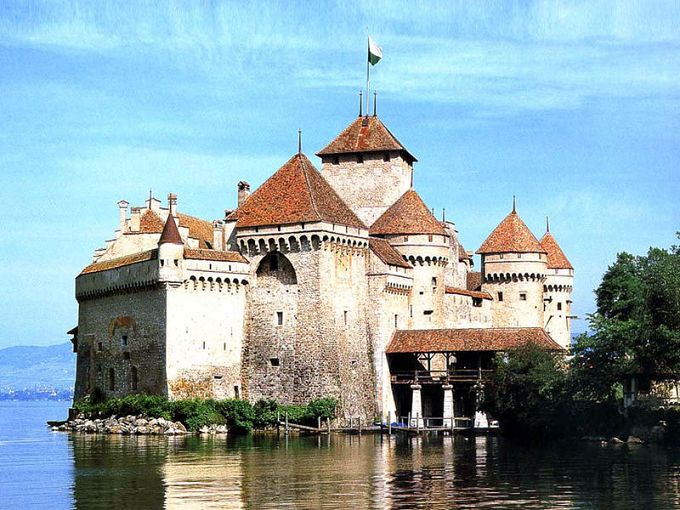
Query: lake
[{"x": 44, "y": 469}]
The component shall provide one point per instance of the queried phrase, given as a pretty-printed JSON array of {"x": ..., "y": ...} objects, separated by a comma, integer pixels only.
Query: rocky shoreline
[{"x": 133, "y": 425}]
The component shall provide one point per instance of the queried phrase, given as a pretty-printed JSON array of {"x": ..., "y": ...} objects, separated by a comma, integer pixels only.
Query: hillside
[{"x": 37, "y": 372}]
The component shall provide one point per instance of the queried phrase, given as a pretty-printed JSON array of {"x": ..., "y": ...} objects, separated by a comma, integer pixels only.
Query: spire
[
  {"x": 170, "y": 232},
  {"x": 547, "y": 225},
  {"x": 299, "y": 141},
  {"x": 361, "y": 103},
  {"x": 514, "y": 205},
  {"x": 375, "y": 103},
  {"x": 511, "y": 236},
  {"x": 150, "y": 198}
]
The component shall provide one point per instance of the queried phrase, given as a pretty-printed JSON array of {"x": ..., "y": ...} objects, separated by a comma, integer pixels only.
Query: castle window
[
  {"x": 336, "y": 160},
  {"x": 217, "y": 377},
  {"x": 500, "y": 256},
  {"x": 176, "y": 263},
  {"x": 135, "y": 378},
  {"x": 519, "y": 255},
  {"x": 405, "y": 238},
  {"x": 209, "y": 245},
  {"x": 224, "y": 346},
  {"x": 279, "y": 318},
  {"x": 112, "y": 379},
  {"x": 500, "y": 296},
  {"x": 386, "y": 157},
  {"x": 522, "y": 296},
  {"x": 344, "y": 316},
  {"x": 429, "y": 237},
  {"x": 477, "y": 302},
  {"x": 410, "y": 310},
  {"x": 434, "y": 282},
  {"x": 274, "y": 362},
  {"x": 559, "y": 306},
  {"x": 236, "y": 392},
  {"x": 124, "y": 340},
  {"x": 427, "y": 312},
  {"x": 126, "y": 355},
  {"x": 360, "y": 158},
  {"x": 204, "y": 345},
  {"x": 396, "y": 320}
]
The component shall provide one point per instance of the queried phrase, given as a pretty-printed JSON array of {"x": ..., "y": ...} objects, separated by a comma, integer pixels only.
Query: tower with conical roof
[
  {"x": 368, "y": 167},
  {"x": 514, "y": 266},
  {"x": 557, "y": 291}
]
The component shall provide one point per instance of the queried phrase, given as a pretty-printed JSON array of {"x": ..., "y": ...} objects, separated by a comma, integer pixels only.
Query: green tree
[{"x": 636, "y": 329}]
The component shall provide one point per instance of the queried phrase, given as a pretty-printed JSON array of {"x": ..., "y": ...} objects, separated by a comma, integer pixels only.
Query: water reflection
[{"x": 366, "y": 472}]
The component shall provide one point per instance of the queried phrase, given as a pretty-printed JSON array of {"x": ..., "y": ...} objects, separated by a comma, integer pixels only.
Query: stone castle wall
[
  {"x": 369, "y": 186},
  {"x": 558, "y": 289}
]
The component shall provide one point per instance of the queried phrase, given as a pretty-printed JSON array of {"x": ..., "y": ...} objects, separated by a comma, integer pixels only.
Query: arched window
[{"x": 112, "y": 379}]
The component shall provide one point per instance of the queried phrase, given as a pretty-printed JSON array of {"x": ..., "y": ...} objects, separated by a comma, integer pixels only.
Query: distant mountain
[{"x": 37, "y": 372}]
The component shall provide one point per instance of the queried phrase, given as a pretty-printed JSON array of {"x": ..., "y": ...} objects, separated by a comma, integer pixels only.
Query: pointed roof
[
  {"x": 296, "y": 193},
  {"x": 511, "y": 235},
  {"x": 150, "y": 222},
  {"x": 556, "y": 257},
  {"x": 408, "y": 215},
  {"x": 170, "y": 233},
  {"x": 365, "y": 134},
  {"x": 387, "y": 253}
]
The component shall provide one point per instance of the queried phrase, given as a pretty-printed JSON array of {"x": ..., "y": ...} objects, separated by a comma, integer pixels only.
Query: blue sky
[{"x": 573, "y": 106}]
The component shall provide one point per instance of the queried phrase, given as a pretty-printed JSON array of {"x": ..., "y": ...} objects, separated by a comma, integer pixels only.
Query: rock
[
  {"x": 141, "y": 422},
  {"x": 615, "y": 440},
  {"x": 142, "y": 430},
  {"x": 169, "y": 432},
  {"x": 162, "y": 422},
  {"x": 221, "y": 429},
  {"x": 115, "y": 429},
  {"x": 204, "y": 430},
  {"x": 180, "y": 426},
  {"x": 634, "y": 440}
]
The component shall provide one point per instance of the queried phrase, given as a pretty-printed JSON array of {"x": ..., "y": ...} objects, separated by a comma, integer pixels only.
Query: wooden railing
[{"x": 439, "y": 376}]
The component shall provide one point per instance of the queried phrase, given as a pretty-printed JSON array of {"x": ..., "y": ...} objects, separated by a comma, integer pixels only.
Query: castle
[{"x": 339, "y": 282}]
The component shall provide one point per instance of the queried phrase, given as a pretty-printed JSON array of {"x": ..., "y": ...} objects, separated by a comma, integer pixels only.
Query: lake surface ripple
[{"x": 44, "y": 469}]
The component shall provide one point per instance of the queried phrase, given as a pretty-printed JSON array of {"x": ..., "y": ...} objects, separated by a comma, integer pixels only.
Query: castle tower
[
  {"x": 306, "y": 328},
  {"x": 409, "y": 226},
  {"x": 558, "y": 287},
  {"x": 368, "y": 167},
  {"x": 170, "y": 248},
  {"x": 514, "y": 266}
]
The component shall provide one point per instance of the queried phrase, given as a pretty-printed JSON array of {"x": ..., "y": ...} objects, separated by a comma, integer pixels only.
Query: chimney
[
  {"x": 243, "y": 192},
  {"x": 172, "y": 204},
  {"x": 122, "y": 215},
  {"x": 135, "y": 218},
  {"x": 218, "y": 233}
]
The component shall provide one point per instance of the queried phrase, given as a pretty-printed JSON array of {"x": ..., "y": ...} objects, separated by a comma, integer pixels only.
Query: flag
[{"x": 374, "y": 52}]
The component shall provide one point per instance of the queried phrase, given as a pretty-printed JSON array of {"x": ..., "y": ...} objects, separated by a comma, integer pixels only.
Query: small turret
[
  {"x": 558, "y": 287},
  {"x": 514, "y": 267},
  {"x": 170, "y": 247}
]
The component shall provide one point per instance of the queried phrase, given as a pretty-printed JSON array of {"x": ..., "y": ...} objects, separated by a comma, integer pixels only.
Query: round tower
[
  {"x": 410, "y": 227},
  {"x": 514, "y": 266},
  {"x": 557, "y": 291},
  {"x": 170, "y": 247}
]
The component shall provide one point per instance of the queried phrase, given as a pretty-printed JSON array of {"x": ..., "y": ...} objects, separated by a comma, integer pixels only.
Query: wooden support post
[
  {"x": 418, "y": 423},
  {"x": 359, "y": 425},
  {"x": 351, "y": 426},
  {"x": 389, "y": 422},
  {"x": 328, "y": 422},
  {"x": 318, "y": 423},
  {"x": 286, "y": 422},
  {"x": 408, "y": 424}
]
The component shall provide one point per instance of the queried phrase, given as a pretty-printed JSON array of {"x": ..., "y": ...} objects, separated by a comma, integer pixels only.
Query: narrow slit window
[
  {"x": 522, "y": 296},
  {"x": 274, "y": 362},
  {"x": 500, "y": 296},
  {"x": 279, "y": 318}
]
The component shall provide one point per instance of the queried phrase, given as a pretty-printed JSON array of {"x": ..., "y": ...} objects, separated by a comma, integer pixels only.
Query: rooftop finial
[
  {"x": 299, "y": 141},
  {"x": 375, "y": 103},
  {"x": 514, "y": 204},
  {"x": 150, "y": 197},
  {"x": 547, "y": 224},
  {"x": 444, "y": 214},
  {"x": 361, "y": 103}
]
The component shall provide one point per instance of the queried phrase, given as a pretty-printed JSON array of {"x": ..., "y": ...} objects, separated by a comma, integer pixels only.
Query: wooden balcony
[{"x": 440, "y": 376}]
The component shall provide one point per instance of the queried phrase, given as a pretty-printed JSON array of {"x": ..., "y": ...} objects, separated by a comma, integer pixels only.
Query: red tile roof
[
  {"x": 170, "y": 234},
  {"x": 474, "y": 280},
  {"x": 408, "y": 215},
  {"x": 386, "y": 252},
  {"x": 150, "y": 222},
  {"x": 466, "y": 292},
  {"x": 470, "y": 339},
  {"x": 556, "y": 257},
  {"x": 217, "y": 255},
  {"x": 121, "y": 261},
  {"x": 198, "y": 229},
  {"x": 511, "y": 235},
  {"x": 462, "y": 253},
  {"x": 296, "y": 193},
  {"x": 365, "y": 134}
]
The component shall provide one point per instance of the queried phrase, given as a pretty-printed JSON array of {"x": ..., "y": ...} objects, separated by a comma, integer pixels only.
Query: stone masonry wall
[
  {"x": 125, "y": 333},
  {"x": 371, "y": 186}
]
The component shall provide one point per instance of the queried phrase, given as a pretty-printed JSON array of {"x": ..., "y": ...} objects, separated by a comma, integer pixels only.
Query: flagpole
[{"x": 368, "y": 70}]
